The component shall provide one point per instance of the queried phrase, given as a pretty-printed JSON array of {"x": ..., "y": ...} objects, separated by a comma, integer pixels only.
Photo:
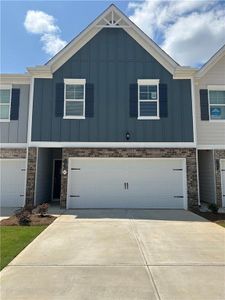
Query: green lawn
[
  {"x": 221, "y": 223},
  {"x": 14, "y": 239}
]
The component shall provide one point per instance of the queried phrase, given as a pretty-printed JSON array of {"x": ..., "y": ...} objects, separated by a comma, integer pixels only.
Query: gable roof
[
  {"x": 211, "y": 62},
  {"x": 112, "y": 17}
]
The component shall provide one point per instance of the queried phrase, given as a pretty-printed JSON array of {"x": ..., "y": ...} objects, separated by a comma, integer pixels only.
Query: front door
[{"x": 57, "y": 169}]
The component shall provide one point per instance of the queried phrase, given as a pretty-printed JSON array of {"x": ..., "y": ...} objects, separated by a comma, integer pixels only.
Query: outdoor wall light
[
  {"x": 65, "y": 166},
  {"x": 127, "y": 136}
]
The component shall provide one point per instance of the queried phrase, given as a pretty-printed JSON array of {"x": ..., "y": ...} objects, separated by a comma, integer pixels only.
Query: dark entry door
[{"x": 57, "y": 179}]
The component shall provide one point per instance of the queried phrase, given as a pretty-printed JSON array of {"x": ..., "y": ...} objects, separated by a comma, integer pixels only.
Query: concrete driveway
[{"x": 121, "y": 254}]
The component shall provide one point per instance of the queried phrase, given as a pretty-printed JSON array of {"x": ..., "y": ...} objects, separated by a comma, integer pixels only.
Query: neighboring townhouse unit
[
  {"x": 14, "y": 103},
  {"x": 210, "y": 122},
  {"x": 110, "y": 123}
]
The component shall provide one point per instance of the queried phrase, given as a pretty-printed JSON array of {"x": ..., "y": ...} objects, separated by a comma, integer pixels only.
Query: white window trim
[
  {"x": 215, "y": 88},
  {"x": 6, "y": 87},
  {"x": 74, "y": 81},
  {"x": 148, "y": 82}
]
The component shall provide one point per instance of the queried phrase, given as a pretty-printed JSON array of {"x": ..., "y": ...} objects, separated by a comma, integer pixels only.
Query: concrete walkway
[{"x": 121, "y": 254}]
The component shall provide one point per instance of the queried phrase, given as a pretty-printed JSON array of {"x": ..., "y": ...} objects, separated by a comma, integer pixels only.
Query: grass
[
  {"x": 221, "y": 223},
  {"x": 14, "y": 239}
]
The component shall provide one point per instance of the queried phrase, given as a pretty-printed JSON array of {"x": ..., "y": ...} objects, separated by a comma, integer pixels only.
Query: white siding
[{"x": 208, "y": 132}]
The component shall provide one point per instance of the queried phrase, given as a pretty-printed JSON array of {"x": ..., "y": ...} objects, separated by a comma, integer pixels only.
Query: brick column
[{"x": 31, "y": 175}]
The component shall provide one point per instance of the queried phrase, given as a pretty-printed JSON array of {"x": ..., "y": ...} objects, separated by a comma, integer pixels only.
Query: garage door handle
[
  {"x": 178, "y": 196},
  {"x": 177, "y": 169},
  {"x": 126, "y": 185},
  {"x": 74, "y": 196},
  {"x": 21, "y": 195}
]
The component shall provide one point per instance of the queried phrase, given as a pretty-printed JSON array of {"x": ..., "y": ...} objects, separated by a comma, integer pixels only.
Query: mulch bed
[
  {"x": 218, "y": 218},
  {"x": 35, "y": 220}
]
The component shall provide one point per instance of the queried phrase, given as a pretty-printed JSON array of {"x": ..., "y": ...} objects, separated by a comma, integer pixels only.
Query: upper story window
[
  {"x": 148, "y": 99},
  {"x": 216, "y": 102},
  {"x": 74, "y": 98},
  {"x": 5, "y": 103}
]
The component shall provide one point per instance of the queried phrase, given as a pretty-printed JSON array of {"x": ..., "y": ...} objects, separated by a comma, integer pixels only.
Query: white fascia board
[
  {"x": 12, "y": 145},
  {"x": 14, "y": 79},
  {"x": 40, "y": 72},
  {"x": 184, "y": 73},
  {"x": 211, "y": 62},
  {"x": 111, "y": 145},
  {"x": 211, "y": 147},
  {"x": 77, "y": 43}
]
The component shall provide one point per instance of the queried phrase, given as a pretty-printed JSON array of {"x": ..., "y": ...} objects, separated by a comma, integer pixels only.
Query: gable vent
[{"x": 112, "y": 19}]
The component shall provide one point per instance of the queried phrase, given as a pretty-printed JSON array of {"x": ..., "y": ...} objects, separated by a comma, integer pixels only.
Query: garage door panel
[
  {"x": 100, "y": 183},
  {"x": 12, "y": 173}
]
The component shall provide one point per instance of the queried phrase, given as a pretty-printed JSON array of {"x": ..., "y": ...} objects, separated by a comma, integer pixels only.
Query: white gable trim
[
  {"x": 66, "y": 53},
  {"x": 211, "y": 62}
]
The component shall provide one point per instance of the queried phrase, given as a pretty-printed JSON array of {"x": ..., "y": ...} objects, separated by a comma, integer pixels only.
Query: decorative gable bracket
[{"x": 112, "y": 20}]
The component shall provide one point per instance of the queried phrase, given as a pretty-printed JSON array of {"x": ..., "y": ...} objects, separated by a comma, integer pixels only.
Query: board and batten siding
[
  {"x": 111, "y": 62},
  {"x": 15, "y": 131},
  {"x": 210, "y": 132}
]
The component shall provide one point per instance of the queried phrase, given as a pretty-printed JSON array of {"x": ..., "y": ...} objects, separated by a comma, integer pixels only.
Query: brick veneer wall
[
  {"x": 218, "y": 154},
  {"x": 13, "y": 153},
  {"x": 31, "y": 175},
  {"x": 189, "y": 154}
]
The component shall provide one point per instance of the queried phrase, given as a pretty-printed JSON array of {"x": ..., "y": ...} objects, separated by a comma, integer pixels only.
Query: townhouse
[{"x": 111, "y": 121}]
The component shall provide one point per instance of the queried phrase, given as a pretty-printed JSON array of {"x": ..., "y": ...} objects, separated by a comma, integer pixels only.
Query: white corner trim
[
  {"x": 30, "y": 112},
  {"x": 111, "y": 145},
  {"x": 198, "y": 182},
  {"x": 194, "y": 116},
  {"x": 13, "y": 145}
]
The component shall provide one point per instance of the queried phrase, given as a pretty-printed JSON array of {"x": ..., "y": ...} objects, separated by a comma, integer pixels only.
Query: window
[
  {"x": 216, "y": 103},
  {"x": 74, "y": 98},
  {"x": 148, "y": 99},
  {"x": 5, "y": 103}
]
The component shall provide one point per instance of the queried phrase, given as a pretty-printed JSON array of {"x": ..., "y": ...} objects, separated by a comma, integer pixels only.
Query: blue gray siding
[
  {"x": 15, "y": 131},
  {"x": 111, "y": 63}
]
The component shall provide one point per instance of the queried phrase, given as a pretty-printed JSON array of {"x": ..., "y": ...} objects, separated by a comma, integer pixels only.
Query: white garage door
[
  {"x": 126, "y": 183},
  {"x": 12, "y": 179},
  {"x": 223, "y": 180}
]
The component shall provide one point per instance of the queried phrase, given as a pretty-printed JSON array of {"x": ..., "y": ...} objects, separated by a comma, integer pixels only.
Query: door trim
[
  {"x": 221, "y": 179},
  {"x": 53, "y": 171},
  {"x": 184, "y": 165}
]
